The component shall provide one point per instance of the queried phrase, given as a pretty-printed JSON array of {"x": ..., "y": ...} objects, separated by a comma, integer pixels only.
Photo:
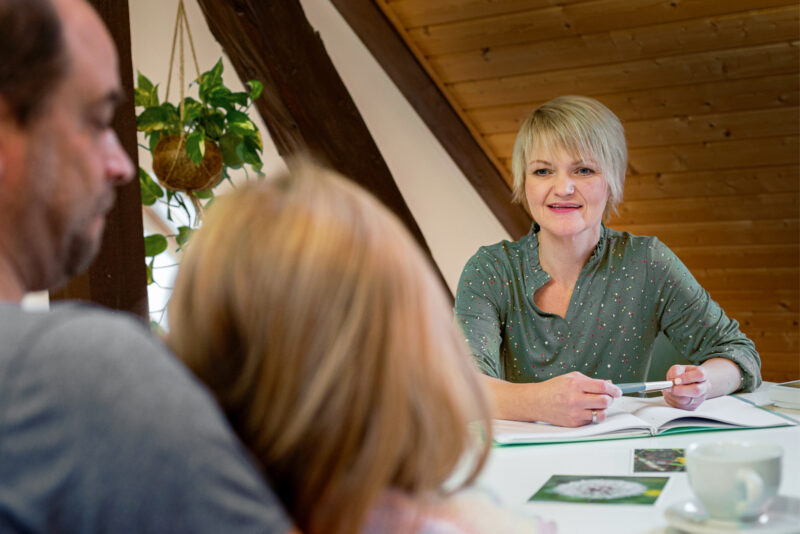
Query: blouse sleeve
[
  {"x": 478, "y": 309},
  {"x": 695, "y": 324}
]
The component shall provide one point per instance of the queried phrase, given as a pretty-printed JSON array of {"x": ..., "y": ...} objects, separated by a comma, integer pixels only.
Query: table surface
[{"x": 514, "y": 474}]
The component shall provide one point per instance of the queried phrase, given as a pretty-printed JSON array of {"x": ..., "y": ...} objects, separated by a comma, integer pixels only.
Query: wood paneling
[
  {"x": 739, "y": 232},
  {"x": 707, "y": 209},
  {"x": 761, "y": 92},
  {"x": 735, "y": 257},
  {"x": 700, "y": 67},
  {"x": 766, "y": 277},
  {"x": 564, "y": 21},
  {"x": 715, "y": 155},
  {"x": 780, "y": 179},
  {"x": 416, "y": 13},
  {"x": 698, "y": 35},
  {"x": 734, "y": 301},
  {"x": 709, "y": 95}
]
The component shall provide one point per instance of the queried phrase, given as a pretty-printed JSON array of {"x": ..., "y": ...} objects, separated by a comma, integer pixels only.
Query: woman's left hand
[{"x": 690, "y": 389}]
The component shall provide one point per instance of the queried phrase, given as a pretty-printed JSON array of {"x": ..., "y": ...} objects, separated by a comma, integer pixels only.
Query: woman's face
[{"x": 567, "y": 196}]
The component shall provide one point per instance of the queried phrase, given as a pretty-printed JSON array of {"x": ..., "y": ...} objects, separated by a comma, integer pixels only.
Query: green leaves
[
  {"x": 184, "y": 233},
  {"x": 154, "y": 245},
  {"x": 213, "y": 122},
  {"x": 210, "y": 80},
  {"x": 157, "y": 118},
  {"x": 192, "y": 109},
  {"x": 146, "y": 94},
  {"x": 256, "y": 88},
  {"x": 222, "y": 97},
  {"x": 240, "y": 123},
  {"x": 228, "y": 144},
  {"x": 196, "y": 146},
  {"x": 150, "y": 190}
]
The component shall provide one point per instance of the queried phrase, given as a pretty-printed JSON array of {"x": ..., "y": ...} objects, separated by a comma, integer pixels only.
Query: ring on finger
[{"x": 594, "y": 416}]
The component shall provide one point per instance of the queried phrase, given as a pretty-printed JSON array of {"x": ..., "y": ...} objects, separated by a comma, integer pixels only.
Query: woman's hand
[
  {"x": 570, "y": 399},
  {"x": 691, "y": 386},
  {"x": 694, "y": 384},
  {"x": 566, "y": 400}
]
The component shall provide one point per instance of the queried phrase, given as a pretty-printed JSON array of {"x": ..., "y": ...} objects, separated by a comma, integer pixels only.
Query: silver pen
[{"x": 633, "y": 387}]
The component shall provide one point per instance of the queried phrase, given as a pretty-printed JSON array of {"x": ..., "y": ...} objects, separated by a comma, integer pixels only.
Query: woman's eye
[
  {"x": 585, "y": 171},
  {"x": 540, "y": 172}
]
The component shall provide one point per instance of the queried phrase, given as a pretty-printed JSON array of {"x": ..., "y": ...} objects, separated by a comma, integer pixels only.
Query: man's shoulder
[
  {"x": 89, "y": 396},
  {"x": 30, "y": 326},
  {"x": 73, "y": 333}
]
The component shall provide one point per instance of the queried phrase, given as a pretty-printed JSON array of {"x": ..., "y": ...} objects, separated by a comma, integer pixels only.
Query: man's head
[{"x": 59, "y": 158}]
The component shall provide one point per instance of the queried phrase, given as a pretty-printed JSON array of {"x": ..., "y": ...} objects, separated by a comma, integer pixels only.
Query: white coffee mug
[{"x": 735, "y": 480}]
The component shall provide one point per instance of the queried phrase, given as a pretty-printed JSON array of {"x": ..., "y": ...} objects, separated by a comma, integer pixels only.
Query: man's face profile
[{"x": 73, "y": 159}]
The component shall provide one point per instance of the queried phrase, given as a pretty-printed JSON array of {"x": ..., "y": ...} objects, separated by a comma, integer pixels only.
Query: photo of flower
[
  {"x": 601, "y": 489},
  {"x": 658, "y": 460}
]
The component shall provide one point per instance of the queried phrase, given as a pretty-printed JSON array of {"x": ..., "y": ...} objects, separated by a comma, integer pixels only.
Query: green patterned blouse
[{"x": 631, "y": 289}]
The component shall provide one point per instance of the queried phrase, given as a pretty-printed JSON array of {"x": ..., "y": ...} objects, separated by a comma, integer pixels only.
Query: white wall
[{"x": 453, "y": 218}]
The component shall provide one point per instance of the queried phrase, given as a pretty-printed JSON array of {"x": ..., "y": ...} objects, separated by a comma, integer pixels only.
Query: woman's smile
[{"x": 564, "y": 207}]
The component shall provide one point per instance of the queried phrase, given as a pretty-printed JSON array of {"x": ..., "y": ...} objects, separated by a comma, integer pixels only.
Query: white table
[{"x": 514, "y": 474}]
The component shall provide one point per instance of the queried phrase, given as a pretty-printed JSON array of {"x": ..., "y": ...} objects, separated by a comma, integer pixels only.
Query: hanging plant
[{"x": 194, "y": 142}]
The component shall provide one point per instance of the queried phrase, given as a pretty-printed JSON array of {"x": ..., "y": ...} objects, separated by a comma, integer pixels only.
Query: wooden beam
[
  {"x": 117, "y": 278},
  {"x": 305, "y": 104},
  {"x": 380, "y": 37}
]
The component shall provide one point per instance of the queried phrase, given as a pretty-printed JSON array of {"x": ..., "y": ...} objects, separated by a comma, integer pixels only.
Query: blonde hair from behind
[
  {"x": 322, "y": 330},
  {"x": 578, "y": 125}
]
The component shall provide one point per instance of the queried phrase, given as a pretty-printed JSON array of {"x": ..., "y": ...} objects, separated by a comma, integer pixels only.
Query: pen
[{"x": 633, "y": 387}]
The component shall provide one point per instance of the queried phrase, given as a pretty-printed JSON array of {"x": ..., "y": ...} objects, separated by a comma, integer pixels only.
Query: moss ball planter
[{"x": 176, "y": 171}]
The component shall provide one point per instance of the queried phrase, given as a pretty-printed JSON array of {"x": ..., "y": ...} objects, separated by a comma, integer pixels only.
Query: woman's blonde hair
[
  {"x": 327, "y": 338},
  {"x": 578, "y": 125}
]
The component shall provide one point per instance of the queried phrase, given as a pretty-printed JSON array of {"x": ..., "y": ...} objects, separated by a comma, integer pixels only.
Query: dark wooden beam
[
  {"x": 389, "y": 49},
  {"x": 305, "y": 104},
  {"x": 117, "y": 277}
]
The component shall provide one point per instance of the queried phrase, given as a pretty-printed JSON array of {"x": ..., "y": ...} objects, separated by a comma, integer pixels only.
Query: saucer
[{"x": 782, "y": 517}]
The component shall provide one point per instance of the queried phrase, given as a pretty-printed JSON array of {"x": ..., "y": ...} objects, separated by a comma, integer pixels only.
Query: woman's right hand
[
  {"x": 570, "y": 399},
  {"x": 565, "y": 400}
]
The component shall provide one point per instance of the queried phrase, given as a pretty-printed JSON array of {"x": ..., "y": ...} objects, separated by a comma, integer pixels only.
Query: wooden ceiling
[
  {"x": 708, "y": 92},
  {"x": 678, "y": 73}
]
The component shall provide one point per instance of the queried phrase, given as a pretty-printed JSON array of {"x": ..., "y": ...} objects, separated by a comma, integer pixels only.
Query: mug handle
[{"x": 752, "y": 488}]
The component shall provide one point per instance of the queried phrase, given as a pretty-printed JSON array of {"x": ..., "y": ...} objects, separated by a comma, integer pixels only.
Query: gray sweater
[{"x": 102, "y": 430}]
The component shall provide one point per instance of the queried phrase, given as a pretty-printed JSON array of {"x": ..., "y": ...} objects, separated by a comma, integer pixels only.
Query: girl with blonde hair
[{"x": 317, "y": 322}]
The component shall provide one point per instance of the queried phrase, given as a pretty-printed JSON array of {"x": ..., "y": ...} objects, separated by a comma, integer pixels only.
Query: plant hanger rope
[{"x": 181, "y": 23}]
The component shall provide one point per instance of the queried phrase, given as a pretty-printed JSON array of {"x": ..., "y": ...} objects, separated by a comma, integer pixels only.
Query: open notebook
[{"x": 636, "y": 417}]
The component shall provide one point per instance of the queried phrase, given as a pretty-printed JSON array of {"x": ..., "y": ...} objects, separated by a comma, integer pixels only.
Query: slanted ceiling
[{"x": 708, "y": 92}]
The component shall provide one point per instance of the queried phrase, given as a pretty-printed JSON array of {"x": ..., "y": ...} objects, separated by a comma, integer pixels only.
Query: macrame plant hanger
[{"x": 181, "y": 25}]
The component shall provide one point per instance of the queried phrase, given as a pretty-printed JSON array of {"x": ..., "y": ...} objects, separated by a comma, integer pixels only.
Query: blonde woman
[
  {"x": 554, "y": 318},
  {"x": 318, "y": 324}
]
